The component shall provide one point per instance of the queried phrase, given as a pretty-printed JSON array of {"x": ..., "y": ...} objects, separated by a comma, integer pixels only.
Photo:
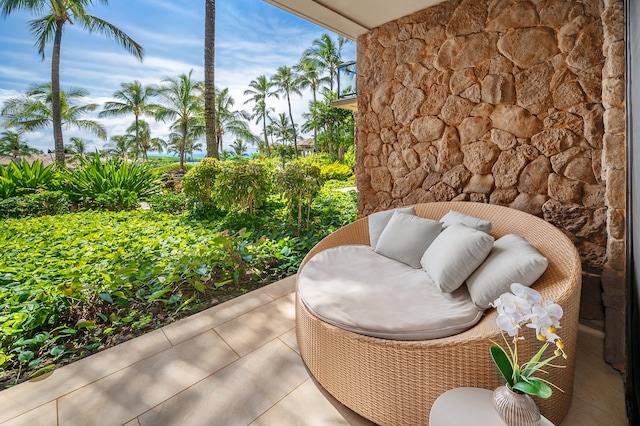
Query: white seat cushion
[
  {"x": 406, "y": 237},
  {"x": 356, "y": 289}
]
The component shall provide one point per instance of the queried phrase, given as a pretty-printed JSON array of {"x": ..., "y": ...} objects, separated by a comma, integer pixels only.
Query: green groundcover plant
[{"x": 83, "y": 281}]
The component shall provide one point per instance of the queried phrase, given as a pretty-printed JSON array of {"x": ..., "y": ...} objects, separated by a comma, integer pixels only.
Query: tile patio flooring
[{"x": 237, "y": 364}]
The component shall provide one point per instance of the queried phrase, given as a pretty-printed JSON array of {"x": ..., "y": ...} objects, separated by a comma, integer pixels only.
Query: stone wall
[{"x": 512, "y": 102}]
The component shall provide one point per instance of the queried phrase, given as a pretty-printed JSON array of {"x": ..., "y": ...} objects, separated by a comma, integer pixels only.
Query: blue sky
[{"x": 252, "y": 38}]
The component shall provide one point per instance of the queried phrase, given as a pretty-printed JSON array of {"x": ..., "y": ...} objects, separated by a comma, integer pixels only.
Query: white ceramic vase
[{"x": 515, "y": 409}]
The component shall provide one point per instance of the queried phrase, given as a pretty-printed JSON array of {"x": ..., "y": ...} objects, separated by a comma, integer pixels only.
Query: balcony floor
[{"x": 237, "y": 364}]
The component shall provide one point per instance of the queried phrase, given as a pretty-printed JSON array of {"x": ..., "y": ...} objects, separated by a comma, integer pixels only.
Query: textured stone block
[
  {"x": 587, "y": 51},
  {"x": 470, "y": 17},
  {"x": 616, "y": 189},
  {"x": 498, "y": 89},
  {"x": 616, "y": 223},
  {"x": 564, "y": 190},
  {"x": 515, "y": 120},
  {"x": 534, "y": 178},
  {"x": 518, "y": 47},
  {"x": 616, "y": 254},
  {"x": 530, "y": 203},
  {"x": 508, "y": 167},
  {"x": 479, "y": 157}
]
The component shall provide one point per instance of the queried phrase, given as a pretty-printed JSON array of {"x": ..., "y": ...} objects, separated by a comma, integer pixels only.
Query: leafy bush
[
  {"x": 198, "y": 182},
  {"x": 25, "y": 178},
  {"x": 95, "y": 177},
  {"x": 116, "y": 199},
  {"x": 243, "y": 185},
  {"x": 335, "y": 171},
  {"x": 39, "y": 204},
  {"x": 299, "y": 183},
  {"x": 236, "y": 186},
  {"x": 169, "y": 203}
]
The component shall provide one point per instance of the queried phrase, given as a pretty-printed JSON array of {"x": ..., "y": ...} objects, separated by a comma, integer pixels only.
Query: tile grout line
[
  {"x": 280, "y": 400},
  {"x": 195, "y": 383},
  {"x": 220, "y": 369}
]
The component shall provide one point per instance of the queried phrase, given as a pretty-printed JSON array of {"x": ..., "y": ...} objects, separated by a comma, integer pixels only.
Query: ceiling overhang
[{"x": 352, "y": 18}]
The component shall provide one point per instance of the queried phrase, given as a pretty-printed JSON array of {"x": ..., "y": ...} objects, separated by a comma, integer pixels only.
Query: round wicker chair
[{"x": 396, "y": 382}]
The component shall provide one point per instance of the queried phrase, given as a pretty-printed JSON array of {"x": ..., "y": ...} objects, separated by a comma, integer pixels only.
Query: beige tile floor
[{"x": 237, "y": 364}]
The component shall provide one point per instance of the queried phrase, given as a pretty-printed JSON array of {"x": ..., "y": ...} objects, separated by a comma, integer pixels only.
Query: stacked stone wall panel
[{"x": 518, "y": 103}]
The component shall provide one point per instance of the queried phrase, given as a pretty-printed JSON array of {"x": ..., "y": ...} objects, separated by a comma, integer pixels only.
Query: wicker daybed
[{"x": 394, "y": 382}]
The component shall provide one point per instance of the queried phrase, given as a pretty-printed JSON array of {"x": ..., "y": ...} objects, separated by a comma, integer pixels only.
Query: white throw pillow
[
  {"x": 454, "y": 255},
  {"x": 512, "y": 260},
  {"x": 454, "y": 217},
  {"x": 378, "y": 221},
  {"x": 406, "y": 237}
]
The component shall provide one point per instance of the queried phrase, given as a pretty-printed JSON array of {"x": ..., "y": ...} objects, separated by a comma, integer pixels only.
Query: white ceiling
[{"x": 352, "y": 18}]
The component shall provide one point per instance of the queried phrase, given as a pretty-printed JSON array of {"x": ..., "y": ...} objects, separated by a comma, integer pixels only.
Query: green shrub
[
  {"x": 24, "y": 178},
  {"x": 233, "y": 186},
  {"x": 243, "y": 185},
  {"x": 95, "y": 177},
  {"x": 198, "y": 182},
  {"x": 116, "y": 199},
  {"x": 169, "y": 203},
  {"x": 40, "y": 204},
  {"x": 299, "y": 183},
  {"x": 335, "y": 171}
]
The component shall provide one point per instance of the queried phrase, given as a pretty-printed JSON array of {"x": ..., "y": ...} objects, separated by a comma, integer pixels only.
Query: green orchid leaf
[
  {"x": 502, "y": 361},
  {"x": 534, "y": 387}
]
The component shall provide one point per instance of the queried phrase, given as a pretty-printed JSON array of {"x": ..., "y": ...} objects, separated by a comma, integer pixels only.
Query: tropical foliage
[
  {"x": 139, "y": 270},
  {"x": 34, "y": 110},
  {"x": 25, "y": 178},
  {"x": 11, "y": 145},
  {"x": 49, "y": 28},
  {"x": 113, "y": 177}
]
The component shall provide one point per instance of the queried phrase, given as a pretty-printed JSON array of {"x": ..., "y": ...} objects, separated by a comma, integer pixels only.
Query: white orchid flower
[
  {"x": 545, "y": 318},
  {"x": 526, "y": 293}
]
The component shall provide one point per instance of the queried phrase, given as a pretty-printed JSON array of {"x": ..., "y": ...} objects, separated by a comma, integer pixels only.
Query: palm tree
[
  {"x": 182, "y": 101},
  {"x": 259, "y": 92},
  {"x": 145, "y": 142},
  {"x": 49, "y": 28},
  {"x": 239, "y": 147},
  {"x": 231, "y": 121},
  {"x": 120, "y": 145},
  {"x": 309, "y": 75},
  {"x": 191, "y": 144},
  {"x": 12, "y": 146},
  {"x": 287, "y": 82},
  {"x": 282, "y": 129},
  {"x": 34, "y": 111},
  {"x": 77, "y": 148},
  {"x": 209, "y": 78},
  {"x": 326, "y": 55},
  {"x": 133, "y": 99}
]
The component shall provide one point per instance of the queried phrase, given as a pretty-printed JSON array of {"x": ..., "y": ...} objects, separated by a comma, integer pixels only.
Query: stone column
[{"x": 614, "y": 159}]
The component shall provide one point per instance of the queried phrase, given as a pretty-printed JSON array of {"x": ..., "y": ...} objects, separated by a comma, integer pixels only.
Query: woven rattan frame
[{"x": 396, "y": 382}]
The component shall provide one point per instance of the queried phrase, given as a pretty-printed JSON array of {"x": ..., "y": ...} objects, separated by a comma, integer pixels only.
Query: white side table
[{"x": 467, "y": 406}]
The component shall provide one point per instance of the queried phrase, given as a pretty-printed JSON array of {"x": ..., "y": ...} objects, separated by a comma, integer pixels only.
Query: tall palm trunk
[
  {"x": 183, "y": 145},
  {"x": 315, "y": 128},
  {"x": 266, "y": 139},
  {"x": 137, "y": 142},
  {"x": 209, "y": 78},
  {"x": 293, "y": 126},
  {"x": 56, "y": 108}
]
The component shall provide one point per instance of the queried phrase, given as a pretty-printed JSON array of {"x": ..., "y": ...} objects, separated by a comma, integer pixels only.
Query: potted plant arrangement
[{"x": 523, "y": 306}]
